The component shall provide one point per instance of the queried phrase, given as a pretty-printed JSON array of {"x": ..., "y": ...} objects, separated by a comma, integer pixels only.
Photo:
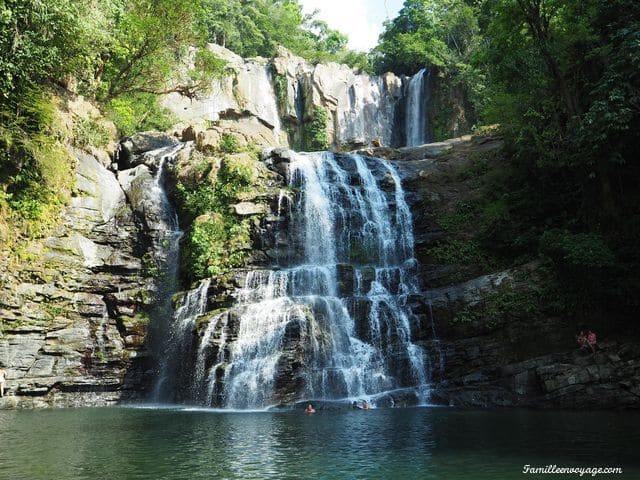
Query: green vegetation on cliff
[
  {"x": 121, "y": 53},
  {"x": 217, "y": 239},
  {"x": 260, "y": 27},
  {"x": 36, "y": 167},
  {"x": 444, "y": 36},
  {"x": 560, "y": 78},
  {"x": 315, "y": 136}
]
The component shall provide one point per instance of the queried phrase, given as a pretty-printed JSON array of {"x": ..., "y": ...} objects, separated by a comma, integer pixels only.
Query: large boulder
[
  {"x": 209, "y": 140},
  {"x": 245, "y": 209},
  {"x": 140, "y": 143},
  {"x": 140, "y": 188},
  {"x": 278, "y": 159},
  {"x": 100, "y": 195}
]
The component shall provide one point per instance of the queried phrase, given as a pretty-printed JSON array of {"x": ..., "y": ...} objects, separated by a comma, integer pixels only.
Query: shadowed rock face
[
  {"x": 132, "y": 147},
  {"x": 504, "y": 357}
]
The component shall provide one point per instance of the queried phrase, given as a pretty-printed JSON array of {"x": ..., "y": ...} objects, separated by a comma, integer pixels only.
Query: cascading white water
[
  {"x": 416, "y": 120},
  {"x": 171, "y": 333},
  {"x": 332, "y": 322},
  {"x": 178, "y": 342}
]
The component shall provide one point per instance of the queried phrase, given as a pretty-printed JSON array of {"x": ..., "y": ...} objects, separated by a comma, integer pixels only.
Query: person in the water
[
  {"x": 309, "y": 409},
  {"x": 365, "y": 405}
]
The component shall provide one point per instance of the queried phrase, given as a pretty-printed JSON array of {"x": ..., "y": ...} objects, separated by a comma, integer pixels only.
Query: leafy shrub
[
  {"x": 501, "y": 305},
  {"x": 217, "y": 240},
  {"x": 195, "y": 200},
  {"x": 42, "y": 186},
  {"x": 38, "y": 168},
  {"x": 40, "y": 42},
  {"x": 461, "y": 217},
  {"x": 280, "y": 89},
  {"x": 315, "y": 133},
  {"x": 229, "y": 144},
  {"x": 215, "y": 244},
  {"x": 577, "y": 252},
  {"x": 235, "y": 176},
  {"x": 478, "y": 166},
  {"x": 462, "y": 252},
  {"x": 138, "y": 112},
  {"x": 88, "y": 131}
]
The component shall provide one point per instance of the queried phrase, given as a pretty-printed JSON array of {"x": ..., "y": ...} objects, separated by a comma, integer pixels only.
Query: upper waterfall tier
[
  {"x": 417, "y": 109},
  {"x": 275, "y": 101}
]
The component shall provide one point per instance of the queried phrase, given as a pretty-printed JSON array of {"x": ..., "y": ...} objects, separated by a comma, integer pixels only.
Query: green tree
[
  {"x": 149, "y": 40},
  {"x": 259, "y": 27},
  {"x": 564, "y": 85},
  {"x": 440, "y": 33},
  {"x": 40, "y": 42}
]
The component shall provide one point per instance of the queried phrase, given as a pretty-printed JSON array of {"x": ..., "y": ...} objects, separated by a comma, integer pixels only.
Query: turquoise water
[{"x": 422, "y": 443}]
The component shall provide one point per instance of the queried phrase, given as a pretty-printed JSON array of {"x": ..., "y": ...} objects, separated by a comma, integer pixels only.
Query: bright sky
[{"x": 361, "y": 20}]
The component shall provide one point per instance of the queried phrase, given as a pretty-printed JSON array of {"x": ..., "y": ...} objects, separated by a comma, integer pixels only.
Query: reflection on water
[{"x": 132, "y": 443}]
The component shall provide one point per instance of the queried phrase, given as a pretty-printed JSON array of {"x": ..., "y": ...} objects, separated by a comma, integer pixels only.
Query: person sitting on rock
[{"x": 310, "y": 409}]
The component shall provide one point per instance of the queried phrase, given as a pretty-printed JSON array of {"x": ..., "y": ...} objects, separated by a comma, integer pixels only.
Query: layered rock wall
[
  {"x": 493, "y": 340},
  {"x": 70, "y": 304}
]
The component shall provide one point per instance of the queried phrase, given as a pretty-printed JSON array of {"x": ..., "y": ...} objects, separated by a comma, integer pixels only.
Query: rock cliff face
[
  {"x": 276, "y": 100},
  {"x": 69, "y": 304}
]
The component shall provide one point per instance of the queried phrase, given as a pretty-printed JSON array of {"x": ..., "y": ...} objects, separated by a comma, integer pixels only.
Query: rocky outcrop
[
  {"x": 475, "y": 377},
  {"x": 70, "y": 306},
  {"x": 362, "y": 107},
  {"x": 271, "y": 102},
  {"x": 244, "y": 100},
  {"x": 132, "y": 147}
]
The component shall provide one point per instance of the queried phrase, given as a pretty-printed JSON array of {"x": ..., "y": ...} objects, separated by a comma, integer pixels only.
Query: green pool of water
[{"x": 417, "y": 443}]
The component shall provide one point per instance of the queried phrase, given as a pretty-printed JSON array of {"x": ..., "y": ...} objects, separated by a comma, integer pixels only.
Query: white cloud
[{"x": 361, "y": 20}]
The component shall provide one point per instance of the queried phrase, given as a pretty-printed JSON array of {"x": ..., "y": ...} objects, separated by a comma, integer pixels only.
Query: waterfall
[
  {"x": 164, "y": 234},
  {"x": 175, "y": 372},
  {"x": 330, "y": 320},
  {"x": 416, "y": 114}
]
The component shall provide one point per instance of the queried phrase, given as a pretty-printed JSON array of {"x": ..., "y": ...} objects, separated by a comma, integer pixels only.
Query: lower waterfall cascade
[{"x": 329, "y": 320}]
